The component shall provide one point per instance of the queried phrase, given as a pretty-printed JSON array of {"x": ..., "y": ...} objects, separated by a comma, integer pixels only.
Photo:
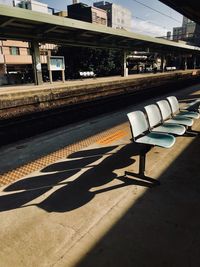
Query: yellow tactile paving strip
[
  {"x": 103, "y": 138},
  {"x": 112, "y": 137}
]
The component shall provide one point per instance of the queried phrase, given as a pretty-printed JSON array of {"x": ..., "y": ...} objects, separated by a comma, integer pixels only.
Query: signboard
[{"x": 56, "y": 63}]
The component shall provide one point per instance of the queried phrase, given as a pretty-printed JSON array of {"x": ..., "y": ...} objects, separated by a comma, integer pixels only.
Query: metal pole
[
  {"x": 142, "y": 161},
  {"x": 63, "y": 76},
  {"x": 185, "y": 63},
  {"x": 37, "y": 68},
  {"x": 163, "y": 63},
  {"x": 50, "y": 76},
  {"x": 195, "y": 62},
  {"x": 124, "y": 65}
]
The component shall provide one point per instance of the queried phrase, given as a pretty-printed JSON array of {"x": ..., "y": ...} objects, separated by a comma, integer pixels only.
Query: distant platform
[{"x": 16, "y": 101}]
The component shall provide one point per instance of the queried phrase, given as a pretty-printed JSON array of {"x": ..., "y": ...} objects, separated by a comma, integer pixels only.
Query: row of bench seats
[
  {"x": 170, "y": 68},
  {"x": 87, "y": 74},
  {"x": 158, "y": 125}
]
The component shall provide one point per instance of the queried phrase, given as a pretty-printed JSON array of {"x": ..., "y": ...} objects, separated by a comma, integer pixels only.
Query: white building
[
  {"x": 118, "y": 17},
  {"x": 32, "y": 5},
  {"x": 6, "y": 2}
]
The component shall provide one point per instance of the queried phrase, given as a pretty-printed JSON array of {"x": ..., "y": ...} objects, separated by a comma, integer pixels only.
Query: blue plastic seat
[
  {"x": 156, "y": 123},
  {"x": 176, "y": 109},
  {"x": 167, "y": 115},
  {"x": 141, "y": 134}
]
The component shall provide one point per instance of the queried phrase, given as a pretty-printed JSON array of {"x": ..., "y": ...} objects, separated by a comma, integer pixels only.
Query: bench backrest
[
  {"x": 173, "y": 103},
  {"x": 153, "y": 114},
  {"x": 138, "y": 123},
  {"x": 164, "y": 109}
]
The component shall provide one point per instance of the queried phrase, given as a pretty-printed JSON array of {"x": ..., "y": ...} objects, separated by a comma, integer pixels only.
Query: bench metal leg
[
  {"x": 192, "y": 133},
  {"x": 142, "y": 163}
]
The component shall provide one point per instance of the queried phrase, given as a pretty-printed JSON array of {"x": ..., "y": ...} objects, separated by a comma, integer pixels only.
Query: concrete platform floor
[{"x": 81, "y": 210}]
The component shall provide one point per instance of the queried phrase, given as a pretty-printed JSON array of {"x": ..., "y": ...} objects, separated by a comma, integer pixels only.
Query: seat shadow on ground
[
  {"x": 162, "y": 227},
  {"x": 76, "y": 193}
]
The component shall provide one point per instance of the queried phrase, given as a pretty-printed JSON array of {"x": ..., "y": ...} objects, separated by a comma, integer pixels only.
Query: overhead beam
[{"x": 6, "y": 22}]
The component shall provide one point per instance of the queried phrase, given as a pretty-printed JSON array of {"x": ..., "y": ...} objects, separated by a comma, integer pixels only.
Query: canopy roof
[{"x": 21, "y": 24}]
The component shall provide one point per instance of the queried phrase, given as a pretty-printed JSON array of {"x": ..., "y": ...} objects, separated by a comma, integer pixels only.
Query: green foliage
[{"x": 102, "y": 62}]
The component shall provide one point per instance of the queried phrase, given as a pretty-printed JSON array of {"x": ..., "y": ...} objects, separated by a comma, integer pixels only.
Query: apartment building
[
  {"x": 87, "y": 13},
  {"x": 15, "y": 56},
  {"x": 16, "y": 61},
  {"x": 188, "y": 32},
  {"x": 32, "y": 5},
  {"x": 118, "y": 17}
]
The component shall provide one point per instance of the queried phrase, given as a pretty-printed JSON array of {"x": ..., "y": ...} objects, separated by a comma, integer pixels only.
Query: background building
[
  {"x": 87, "y": 13},
  {"x": 189, "y": 32},
  {"x": 118, "y": 16},
  {"x": 32, "y": 5},
  {"x": 16, "y": 61},
  {"x": 15, "y": 56}
]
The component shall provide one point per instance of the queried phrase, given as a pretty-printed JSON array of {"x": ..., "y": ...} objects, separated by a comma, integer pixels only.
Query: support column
[
  {"x": 163, "y": 63},
  {"x": 124, "y": 65},
  {"x": 195, "y": 62},
  {"x": 185, "y": 63},
  {"x": 37, "y": 68}
]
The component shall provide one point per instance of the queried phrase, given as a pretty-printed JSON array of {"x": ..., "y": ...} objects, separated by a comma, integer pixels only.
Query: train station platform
[
  {"x": 23, "y": 100},
  {"x": 65, "y": 201}
]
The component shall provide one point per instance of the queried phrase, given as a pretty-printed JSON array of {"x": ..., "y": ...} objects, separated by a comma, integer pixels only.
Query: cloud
[{"x": 147, "y": 28}]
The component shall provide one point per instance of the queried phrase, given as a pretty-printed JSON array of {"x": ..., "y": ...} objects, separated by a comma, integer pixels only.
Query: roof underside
[
  {"x": 190, "y": 9},
  {"x": 21, "y": 24}
]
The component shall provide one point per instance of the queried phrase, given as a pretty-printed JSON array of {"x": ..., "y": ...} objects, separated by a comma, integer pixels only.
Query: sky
[{"x": 144, "y": 20}]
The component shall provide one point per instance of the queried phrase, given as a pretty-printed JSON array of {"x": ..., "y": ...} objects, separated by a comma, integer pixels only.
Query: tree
[{"x": 104, "y": 62}]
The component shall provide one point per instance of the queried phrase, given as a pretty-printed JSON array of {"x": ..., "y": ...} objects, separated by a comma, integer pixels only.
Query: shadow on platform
[
  {"x": 162, "y": 227},
  {"x": 76, "y": 193}
]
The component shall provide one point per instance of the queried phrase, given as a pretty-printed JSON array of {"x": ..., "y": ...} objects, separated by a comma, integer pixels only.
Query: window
[
  {"x": 14, "y": 50},
  {"x": 44, "y": 53},
  {"x": 103, "y": 21}
]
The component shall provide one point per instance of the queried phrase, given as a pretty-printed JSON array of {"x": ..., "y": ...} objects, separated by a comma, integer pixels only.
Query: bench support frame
[{"x": 142, "y": 162}]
